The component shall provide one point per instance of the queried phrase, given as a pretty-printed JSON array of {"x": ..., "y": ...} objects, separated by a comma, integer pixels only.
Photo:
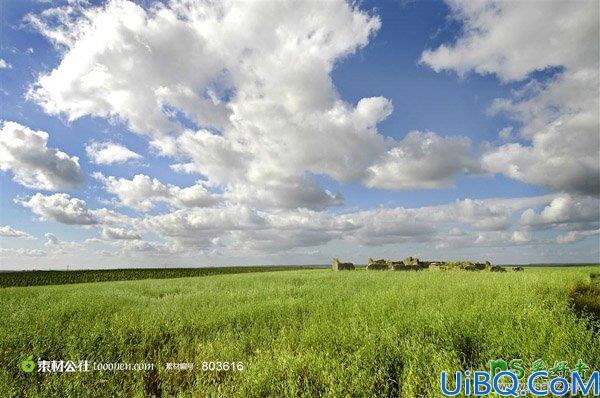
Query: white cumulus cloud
[
  {"x": 120, "y": 234},
  {"x": 514, "y": 38},
  {"x": 143, "y": 193},
  {"x": 60, "y": 207},
  {"x": 109, "y": 153},
  {"x": 25, "y": 153},
  {"x": 559, "y": 118},
  {"x": 267, "y": 117},
  {"x": 10, "y": 232},
  {"x": 423, "y": 160},
  {"x": 563, "y": 210}
]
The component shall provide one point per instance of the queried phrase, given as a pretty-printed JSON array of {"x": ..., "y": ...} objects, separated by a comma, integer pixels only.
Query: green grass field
[
  {"x": 309, "y": 332},
  {"x": 38, "y": 278}
]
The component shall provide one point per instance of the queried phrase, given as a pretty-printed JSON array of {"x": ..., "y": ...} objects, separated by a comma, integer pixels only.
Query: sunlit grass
[
  {"x": 298, "y": 333},
  {"x": 39, "y": 278}
]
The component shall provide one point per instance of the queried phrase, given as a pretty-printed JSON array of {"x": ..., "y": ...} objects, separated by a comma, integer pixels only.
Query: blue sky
[
  {"x": 533, "y": 217},
  {"x": 423, "y": 99}
]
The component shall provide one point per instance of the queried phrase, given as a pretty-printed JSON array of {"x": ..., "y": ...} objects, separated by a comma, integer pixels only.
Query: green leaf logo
[{"x": 27, "y": 364}]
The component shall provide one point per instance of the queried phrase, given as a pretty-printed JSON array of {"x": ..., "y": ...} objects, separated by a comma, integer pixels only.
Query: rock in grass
[
  {"x": 414, "y": 264},
  {"x": 379, "y": 265},
  {"x": 411, "y": 261},
  {"x": 402, "y": 266},
  {"x": 337, "y": 265}
]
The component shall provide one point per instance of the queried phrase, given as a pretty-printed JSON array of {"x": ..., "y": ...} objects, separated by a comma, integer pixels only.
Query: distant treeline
[{"x": 38, "y": 278}]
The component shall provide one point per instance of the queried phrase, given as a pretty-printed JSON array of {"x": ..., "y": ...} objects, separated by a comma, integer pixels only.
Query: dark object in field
[
  {"x": 377, "y": 264},
  {"x": 337, "y": 265},
  {"x": 518, "y": 269},
  {"x": 465, "y": 265},
  {"x": 403, "y": 267},
  {"x": 411, "y": 261},
  {"x": 414, "y": 264},
  {"x": 585, "y": 300},
  {"x": 408, "y": 264}
]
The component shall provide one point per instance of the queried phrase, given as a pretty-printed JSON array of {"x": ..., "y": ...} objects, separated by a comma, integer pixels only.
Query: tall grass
[
  {"x": 585, "y": 296},
  {"x": 303, "y": 333},
  {"x": 39, "y": 278}
]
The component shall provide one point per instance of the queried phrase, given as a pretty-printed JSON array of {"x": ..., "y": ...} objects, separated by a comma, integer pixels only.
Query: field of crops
[
  {"x": 306, "y": 333},
  {"x": 38, "y": 278}
]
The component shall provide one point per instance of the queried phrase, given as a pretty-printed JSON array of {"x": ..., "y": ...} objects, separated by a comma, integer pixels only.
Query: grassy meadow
[
  {"x": 38, "y": 278},
  {"x": 302, "y": 333}
]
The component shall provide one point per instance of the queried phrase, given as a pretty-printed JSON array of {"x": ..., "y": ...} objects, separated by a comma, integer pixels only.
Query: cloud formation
[
  {"x": 120, "y": 234},
  {"x": 560, "y": 117},
  {"x": 21, "y": 252},
  {"x": 61, "y": 208},
  {"x": 576, "y": 236},
  {"x": 109, "y": 153},
  {"x": 561, "y": 120},
  {"x": 423, "y": 160},
  {"x": 25, "y": 153},
  {"x": 246, "y": 228},
  {"x": 565, "y": 210},
  {"x": 143, "y": 193},
  {"x": 493, "y": 32},
  {"x": 267, "y": 118},
  {"x": 9, "y": 232},
  {"x": 241, "y": 95},
  {"x": 56, "y": 246}
]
